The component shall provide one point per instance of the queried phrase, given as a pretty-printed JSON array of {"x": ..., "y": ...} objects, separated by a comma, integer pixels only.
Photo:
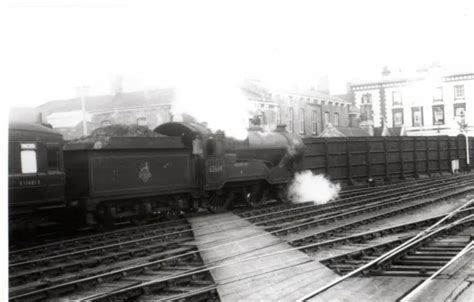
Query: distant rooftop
[
  {"x": 109, "y": 102},
  {"x": 420, "y": 74},
  {"x": 313, "y": 94}
]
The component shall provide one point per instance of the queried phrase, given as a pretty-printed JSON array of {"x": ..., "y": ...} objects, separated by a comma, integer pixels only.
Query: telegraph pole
[{"x": 82, "y": 90}]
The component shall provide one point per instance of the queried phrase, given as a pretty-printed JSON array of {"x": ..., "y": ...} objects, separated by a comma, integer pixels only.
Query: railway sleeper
[
  {"x": 435, "y": 254},
  {"x": 395, "y": 273},
  {"x": 420, "y": 262},
  {"x": 426, "y": 258},
  {"x": 89, "y": 263}
]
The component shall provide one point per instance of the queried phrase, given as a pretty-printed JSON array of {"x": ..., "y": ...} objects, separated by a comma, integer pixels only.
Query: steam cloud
[
  {"x": 309, "y": 187},
  {"x": 218, "y": 102}
]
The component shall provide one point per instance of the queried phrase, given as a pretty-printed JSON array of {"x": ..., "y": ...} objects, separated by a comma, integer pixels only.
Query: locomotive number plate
[{"x": 215, "y": 168}]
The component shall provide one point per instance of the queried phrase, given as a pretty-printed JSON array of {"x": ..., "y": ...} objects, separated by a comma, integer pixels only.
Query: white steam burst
[
  {"x": 218, "y": 102},
  {"x": 309, "y": 187}
]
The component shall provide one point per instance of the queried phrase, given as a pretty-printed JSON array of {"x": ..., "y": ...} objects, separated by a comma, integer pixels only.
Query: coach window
[
  {"x": 53, "y": 157},
  {"x": 28, "y": 158}
]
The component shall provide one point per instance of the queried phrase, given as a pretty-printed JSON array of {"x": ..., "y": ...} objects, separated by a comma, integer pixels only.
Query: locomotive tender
[{"x": 185, "y": 167}]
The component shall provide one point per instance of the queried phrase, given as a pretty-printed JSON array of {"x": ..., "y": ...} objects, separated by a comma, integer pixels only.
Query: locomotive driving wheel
[
  {"x": 219, "y": 202},
  {"x": 253, "y": 196}
]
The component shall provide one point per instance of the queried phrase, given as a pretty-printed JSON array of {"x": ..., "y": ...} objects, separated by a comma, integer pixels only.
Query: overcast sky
[{"x": 55, "y": 46}]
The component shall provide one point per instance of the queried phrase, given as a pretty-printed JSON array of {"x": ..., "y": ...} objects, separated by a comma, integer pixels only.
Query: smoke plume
[
  {"x": 219, "y": 102},
  {"x": 309, "y": 187}
]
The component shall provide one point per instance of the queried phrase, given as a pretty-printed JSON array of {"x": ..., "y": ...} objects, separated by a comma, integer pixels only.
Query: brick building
[
  {"x": 147, "y": 108},
  {"x": 308, "y": 112},
  {"x": 305, "y": 112},
  {"x": 429, "y": 103}
]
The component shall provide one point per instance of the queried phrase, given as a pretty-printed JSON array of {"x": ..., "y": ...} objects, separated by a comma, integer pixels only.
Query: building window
[
  {"x": 459, "y": 92},
  {"x": 438, "y": 94},
  {"x": 366, "y": 99},
  {"x": 301, "y": 120},
  {"x": 290, "y": 119},
  {"x": 366, "y": 113},
  {"x": 141, "y": 121},
  {"x": 417, "y": 116},
  {"x": 459, "y": 110},
  {"x": 278, "y": 115},
  {"x": 336, "y": 119},
  {"x": 438, "y": 115},
  {"x": 314, "y": 121},
  {"x": 326, "y": 118},
  {"x": 28, "y": 158},
  {"x": 397, "y": 117},
  {"x": 396, "y": 98}
]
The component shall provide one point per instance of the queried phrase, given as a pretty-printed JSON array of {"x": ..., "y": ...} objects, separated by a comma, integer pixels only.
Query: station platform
[{"x": 249, "y": 264}]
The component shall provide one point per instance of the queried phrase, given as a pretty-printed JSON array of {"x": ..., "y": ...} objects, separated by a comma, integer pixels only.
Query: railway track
[
  {"x": 97, "y": 240},
  {"x": 420, "y": 255},
  {"x": 148, "y": 262},
  {"x": 295, "y": 211},
  {"x": 348, "y": 220},
  {"x": 424, "y": 259}
]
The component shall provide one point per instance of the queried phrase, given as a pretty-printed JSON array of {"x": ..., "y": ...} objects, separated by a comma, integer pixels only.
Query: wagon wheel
[{"x": 219, "y": 203}]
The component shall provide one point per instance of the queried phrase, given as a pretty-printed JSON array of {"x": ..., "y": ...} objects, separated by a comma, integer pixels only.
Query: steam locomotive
[{"x": 131, "y": 179}]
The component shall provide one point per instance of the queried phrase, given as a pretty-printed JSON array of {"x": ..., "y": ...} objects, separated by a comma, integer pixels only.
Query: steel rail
[
  {"x": 469, "y": 247},
  {"x": 376, "y": 261}
]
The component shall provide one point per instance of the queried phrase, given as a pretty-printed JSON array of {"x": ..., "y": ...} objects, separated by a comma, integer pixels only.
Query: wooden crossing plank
[{"x": 275, "y": 270}]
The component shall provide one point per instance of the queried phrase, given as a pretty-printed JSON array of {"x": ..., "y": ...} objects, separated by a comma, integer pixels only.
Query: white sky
[{"x": 55, "y": 46}]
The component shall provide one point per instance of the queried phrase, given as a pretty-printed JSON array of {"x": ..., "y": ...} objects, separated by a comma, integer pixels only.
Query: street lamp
[{"x": 463, "y": 128}]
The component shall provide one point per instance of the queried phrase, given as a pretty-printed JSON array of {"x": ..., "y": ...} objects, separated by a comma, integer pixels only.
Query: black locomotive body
[
  {"x": 186, "y": 168},
  {"x": 123, "y": 179},
  {"x": 36, "y": 177}
]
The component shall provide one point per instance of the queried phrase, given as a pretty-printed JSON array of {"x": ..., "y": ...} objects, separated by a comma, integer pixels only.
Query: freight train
[{"x": 115, "y": 180}]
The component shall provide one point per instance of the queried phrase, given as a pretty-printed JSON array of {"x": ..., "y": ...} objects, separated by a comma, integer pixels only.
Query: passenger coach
[{"x": 36, "y": 177}]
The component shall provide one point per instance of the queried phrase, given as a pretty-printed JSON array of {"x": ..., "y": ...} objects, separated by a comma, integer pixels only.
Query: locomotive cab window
[
  {"x": 53, "y": 157},
  {"x": 211, "y": 147},
  {"x": 28, "y": 158}
]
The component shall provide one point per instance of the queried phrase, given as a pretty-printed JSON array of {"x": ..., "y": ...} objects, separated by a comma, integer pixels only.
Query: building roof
[
  {"x": 332, "y": 131},
  {"x": 66, "y": 119},
  {"x": 313, "y": 94},
  {"x": 110, "y": 102},
  {"x": 445, "y": 77}
]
